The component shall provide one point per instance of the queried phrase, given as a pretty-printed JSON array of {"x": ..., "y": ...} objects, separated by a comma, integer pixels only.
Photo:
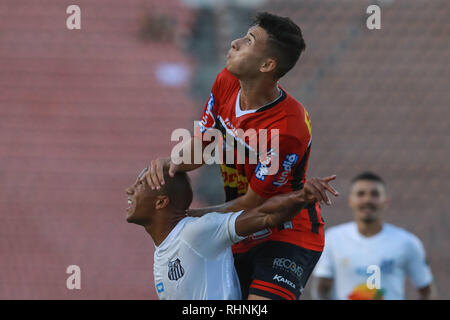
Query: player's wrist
[{"x": 300, "y": 196}]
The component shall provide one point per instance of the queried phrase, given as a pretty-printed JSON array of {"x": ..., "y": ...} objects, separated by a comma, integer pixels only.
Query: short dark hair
[
  {"x": 285, "y": 41},
  {"x": 367, "y": 175},
  {"x": 178, "y": 189}
]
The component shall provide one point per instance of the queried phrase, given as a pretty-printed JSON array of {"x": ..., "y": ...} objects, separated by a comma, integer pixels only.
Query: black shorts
[{"x": 275, "y": 270}]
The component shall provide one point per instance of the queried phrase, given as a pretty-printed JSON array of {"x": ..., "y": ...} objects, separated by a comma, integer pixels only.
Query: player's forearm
[
  {"x": 271, "y": 213},
  {"x": 230, "y": 206},
  {"x": 282, "y": 208}
]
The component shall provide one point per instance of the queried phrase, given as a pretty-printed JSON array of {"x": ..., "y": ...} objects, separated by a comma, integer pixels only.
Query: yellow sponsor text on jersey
[
  {"x": 308, "y": 121},
  {"x": 232, "y": 179}
]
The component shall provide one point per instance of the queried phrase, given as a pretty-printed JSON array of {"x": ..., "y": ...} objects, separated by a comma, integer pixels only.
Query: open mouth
[{"x": 130, "y": 203}]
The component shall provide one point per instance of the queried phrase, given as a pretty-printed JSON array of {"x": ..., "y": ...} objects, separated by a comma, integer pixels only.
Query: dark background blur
[{"x": 83, "y": 111}]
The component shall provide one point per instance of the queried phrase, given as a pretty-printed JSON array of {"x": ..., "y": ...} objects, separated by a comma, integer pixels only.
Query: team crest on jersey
[{"x": 176, "y": 271}]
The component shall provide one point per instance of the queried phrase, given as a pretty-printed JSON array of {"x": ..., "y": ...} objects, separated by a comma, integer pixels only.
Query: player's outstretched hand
[
  {"x": 315, "y": 190},
  {"x": 155, "y": 174}
]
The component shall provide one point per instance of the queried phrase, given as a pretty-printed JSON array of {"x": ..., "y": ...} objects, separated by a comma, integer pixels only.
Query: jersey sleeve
[
  {"x": 324, "y": 267},
  {"x": 417, "y": 267},
  {"x": 289, "y": 161},
  {"x": 223, "y": 85},
  {"x": 212, "y": 233}
]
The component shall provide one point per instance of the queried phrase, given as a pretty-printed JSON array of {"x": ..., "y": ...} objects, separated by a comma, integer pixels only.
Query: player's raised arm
[{"x": 282, "y": 208}]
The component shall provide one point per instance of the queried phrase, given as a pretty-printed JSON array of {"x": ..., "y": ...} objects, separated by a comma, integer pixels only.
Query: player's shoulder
[
  {"x": 292, "y": 118},
  {"x": 401, "y": 234},
  {"x": 194, "y": 224},
  {"x": 173, "y": 237},
  {"x": 341, "y": 229},
  {"x": 186, "y": 223},
  {"x": 292, "y": 106}
]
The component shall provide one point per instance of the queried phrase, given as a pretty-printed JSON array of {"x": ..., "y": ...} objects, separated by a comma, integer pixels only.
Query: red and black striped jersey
[{"x": 285, "y": 121}]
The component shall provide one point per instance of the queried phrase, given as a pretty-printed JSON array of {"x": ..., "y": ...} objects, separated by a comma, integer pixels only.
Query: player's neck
[
  {"x": 369, "y": 229},
  {"x": 163, "y": 224},
  {"x": 257, "y": 93}
]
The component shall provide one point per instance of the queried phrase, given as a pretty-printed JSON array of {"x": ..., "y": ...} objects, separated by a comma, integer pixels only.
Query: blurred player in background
[
  {"x": 276, "y": 262},
  {"x": 193, "y": 258},
  {"x": 351, "y": 248}
]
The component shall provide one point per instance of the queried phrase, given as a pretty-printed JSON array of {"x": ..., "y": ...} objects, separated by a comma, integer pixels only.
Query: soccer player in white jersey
[
  {"x": 368, "y": 258},
  {"x": 193, "y": 258}
]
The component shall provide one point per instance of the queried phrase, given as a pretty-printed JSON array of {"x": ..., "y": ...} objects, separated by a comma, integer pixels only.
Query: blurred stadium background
[{"x": 82, "y": 111}]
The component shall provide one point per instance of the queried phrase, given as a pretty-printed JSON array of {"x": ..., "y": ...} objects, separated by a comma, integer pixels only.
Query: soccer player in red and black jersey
[{"x": 275, "y": 263}]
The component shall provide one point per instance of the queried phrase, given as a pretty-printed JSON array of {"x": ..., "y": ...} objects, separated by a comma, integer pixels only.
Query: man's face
[
  {"x": 367, "y": 199},
  {"x": 141, "y": 200},
  {"x": 248, "y": 54}
]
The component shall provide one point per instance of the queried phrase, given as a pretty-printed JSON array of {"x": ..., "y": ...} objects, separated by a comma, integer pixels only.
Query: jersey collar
[{"x": 239, "y": 112}]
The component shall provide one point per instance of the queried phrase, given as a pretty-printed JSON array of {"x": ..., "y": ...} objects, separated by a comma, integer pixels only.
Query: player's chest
[
  {"x": 231, "y": 118},
  {"x": 362, "y": 258},
  {"x": 170, "y": 271}
]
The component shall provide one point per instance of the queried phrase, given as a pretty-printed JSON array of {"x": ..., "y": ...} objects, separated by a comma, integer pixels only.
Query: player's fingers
[
  {"x": 321, "y": 190},
  {"x": 153, "y": 178},
  {"x": 159, "y": 171},
  {"x": 329, "y": 188},
  {"x": 319, "y": 196},
  {"x": 173, "y": 168},
  {"x": 330, "y": 178},
  {"x": 148, "y": 177}
]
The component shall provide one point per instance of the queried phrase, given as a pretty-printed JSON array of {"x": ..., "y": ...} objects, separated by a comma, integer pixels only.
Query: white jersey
[
  {"x": 355, "y": 261},
  {"x": 195, "y": 261}
]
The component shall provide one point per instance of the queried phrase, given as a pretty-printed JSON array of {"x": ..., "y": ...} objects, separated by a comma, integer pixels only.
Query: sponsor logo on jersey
[
  {"x": 232, "y": 179},
  {"x": 287, "y": 165},
  {"x": 264, "y": 162},
  {"x": 159, "y": 287},
  {"x": 281, "y": 279},
  {"x": 176, "y": 271},
  {"x": 288, "y": 265},
  {"x": 261, "y": 171},
  {"x": 362, "y": 292},
  {"x": 208, "y": 119},
  {"x": 386, "y": 267}
]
